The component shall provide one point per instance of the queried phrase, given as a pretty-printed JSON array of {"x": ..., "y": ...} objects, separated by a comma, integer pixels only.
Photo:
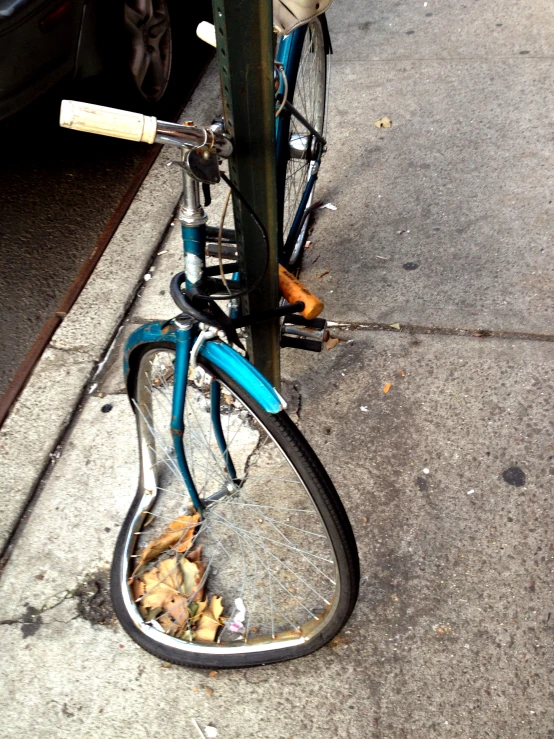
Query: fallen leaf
[
  {"x": 384, "y": 122},
  {"x": 402, "y": 373},
  {"x": 210, "y": 621},
  {"x": 185, "y": 525},
  {"x": 196, "y": 554},
  {"x": 152, "y": 613},
  {"x": 395, "y": 325},
  {"x": 331, "y": 343},
  {"x": 323, "y": 274},
  {"x": 209, "y": 691},
  {"x": 365, "y": 520},
  {"x": 387, "y": 387},
  {"x": 137, "y": 589},
  {"x": 178, "y": 536},
  {"x": 192, "y": 575},
  {"x": 195, "y": 689},
  {"x": 162, "y": 584},
  {"x": 213, "y": 673},
  {"x": 196, "y": 609}
]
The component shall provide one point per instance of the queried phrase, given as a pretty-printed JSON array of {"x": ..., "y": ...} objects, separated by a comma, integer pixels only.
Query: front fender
[{"x": 216, "y": 352}]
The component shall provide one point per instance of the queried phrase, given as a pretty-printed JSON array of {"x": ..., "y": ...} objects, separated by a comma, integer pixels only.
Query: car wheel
[
  {"x": 161, "y": 55},
  {"x": 149, "y": 38}
]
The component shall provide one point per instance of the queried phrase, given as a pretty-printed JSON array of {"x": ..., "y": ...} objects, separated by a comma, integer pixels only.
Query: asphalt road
[{"x": 58, "y": 189}]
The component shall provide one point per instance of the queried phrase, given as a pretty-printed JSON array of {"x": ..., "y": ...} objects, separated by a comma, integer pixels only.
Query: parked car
[{"x": 143, "y": 45}]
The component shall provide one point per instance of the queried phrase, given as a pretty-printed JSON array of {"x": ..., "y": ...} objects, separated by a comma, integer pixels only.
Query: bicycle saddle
[{"x": 287, "y": 17}]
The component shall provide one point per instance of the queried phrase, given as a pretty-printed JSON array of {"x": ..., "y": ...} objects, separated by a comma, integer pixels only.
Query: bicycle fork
[{"x": 193, "y": 227}]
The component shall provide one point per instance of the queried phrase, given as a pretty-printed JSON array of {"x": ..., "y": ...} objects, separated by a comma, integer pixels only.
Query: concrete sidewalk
[{"x": 443, "y": 225}]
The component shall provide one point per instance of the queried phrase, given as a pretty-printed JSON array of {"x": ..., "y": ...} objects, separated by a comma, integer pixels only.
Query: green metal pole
[{"x": 244, "y": 32}]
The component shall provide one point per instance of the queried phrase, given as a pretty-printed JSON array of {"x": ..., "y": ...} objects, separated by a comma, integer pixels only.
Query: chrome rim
[
  {"x": 149, "y": 31},
  {"x": 263, "y": 540},
  {"x": 309, "y": 100}
]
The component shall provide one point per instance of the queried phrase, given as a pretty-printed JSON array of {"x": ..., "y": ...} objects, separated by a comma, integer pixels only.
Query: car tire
[{"x": 158, "y": 55}]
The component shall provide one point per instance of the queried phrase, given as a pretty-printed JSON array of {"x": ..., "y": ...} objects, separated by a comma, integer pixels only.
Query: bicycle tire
[
  {"x": 258, "y": 644},
  {"x": 307, "y": 74}
]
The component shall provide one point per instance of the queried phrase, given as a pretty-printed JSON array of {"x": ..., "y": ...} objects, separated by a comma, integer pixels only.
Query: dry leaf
[
  {"x": 482, "y": 333},
  {"x": 192, "y": 575},
  {"x": 137, "y": 589},
  {"x": 196, "y": 609},
  {"x": 395, "y": 325},
  {"x": 323, "y": 274},
  {"x": 365, "y": 520},
  {"x": 209, "y": 691},
  {"x": 178, "y": 611},
  {"x": 331, "y": 343},
  {"x": 178, "y": 536},
  {"x": 384, "y": 122},
  {"x": 162, "y": 584},
  {"x": 210, "y": 621},
  {"x": 213, "y": 673},
  {"x": 185, "y": 526},
  {"x": 196, "y": 554},
  {"x": 387, "y": 387},
  {"x": 195, "y": 689},
  {"x": 402, "y": 373}
]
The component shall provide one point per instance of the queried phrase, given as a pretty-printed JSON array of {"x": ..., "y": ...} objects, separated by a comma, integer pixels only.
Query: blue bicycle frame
[{"x": 181, "y": 333}]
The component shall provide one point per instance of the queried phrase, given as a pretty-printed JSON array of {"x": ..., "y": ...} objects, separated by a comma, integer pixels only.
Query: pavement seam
[
  {"x": 443, "y": 59},
  {"x": 409, "y": 328}
]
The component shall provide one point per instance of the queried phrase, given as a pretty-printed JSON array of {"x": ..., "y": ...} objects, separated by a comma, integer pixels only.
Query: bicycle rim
[
  {"x": 266, "y": 549},
  {"x": 309, "y": 98}
]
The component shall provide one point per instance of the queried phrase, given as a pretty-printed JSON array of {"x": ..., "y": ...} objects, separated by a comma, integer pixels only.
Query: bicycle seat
[{"x": 296, "y": 13}]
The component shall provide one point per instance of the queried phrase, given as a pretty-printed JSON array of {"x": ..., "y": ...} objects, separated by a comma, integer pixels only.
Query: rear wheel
[
  {"x": 271, "y": 570},
  {"x": 308, "y": 93}
]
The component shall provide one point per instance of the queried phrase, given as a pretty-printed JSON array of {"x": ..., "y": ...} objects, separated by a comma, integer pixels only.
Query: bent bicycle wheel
[
  {"x": 268, "y": 570},
  {"x": 307, "y": 78}
]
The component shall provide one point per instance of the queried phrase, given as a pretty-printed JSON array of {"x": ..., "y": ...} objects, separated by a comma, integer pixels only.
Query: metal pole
[{"x": 244, "y": 32}]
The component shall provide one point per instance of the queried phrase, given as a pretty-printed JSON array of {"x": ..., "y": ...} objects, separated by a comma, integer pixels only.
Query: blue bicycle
[{"x": 237, "y": 550}]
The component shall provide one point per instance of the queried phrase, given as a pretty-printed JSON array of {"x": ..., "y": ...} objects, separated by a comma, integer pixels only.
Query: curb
[{"x": 42, "y": 412}]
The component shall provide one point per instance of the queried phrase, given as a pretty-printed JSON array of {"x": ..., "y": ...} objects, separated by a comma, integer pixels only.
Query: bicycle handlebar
[{"x": 124, "y": 124}]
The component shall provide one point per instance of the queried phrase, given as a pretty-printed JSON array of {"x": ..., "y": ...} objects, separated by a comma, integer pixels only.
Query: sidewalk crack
[{"x": 411, "y": 328}]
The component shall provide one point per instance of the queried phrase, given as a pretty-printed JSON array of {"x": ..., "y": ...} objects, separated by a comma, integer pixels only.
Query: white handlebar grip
[
  {"x": 206, "y": 32},
  {"x": 122, "y": 124}
]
